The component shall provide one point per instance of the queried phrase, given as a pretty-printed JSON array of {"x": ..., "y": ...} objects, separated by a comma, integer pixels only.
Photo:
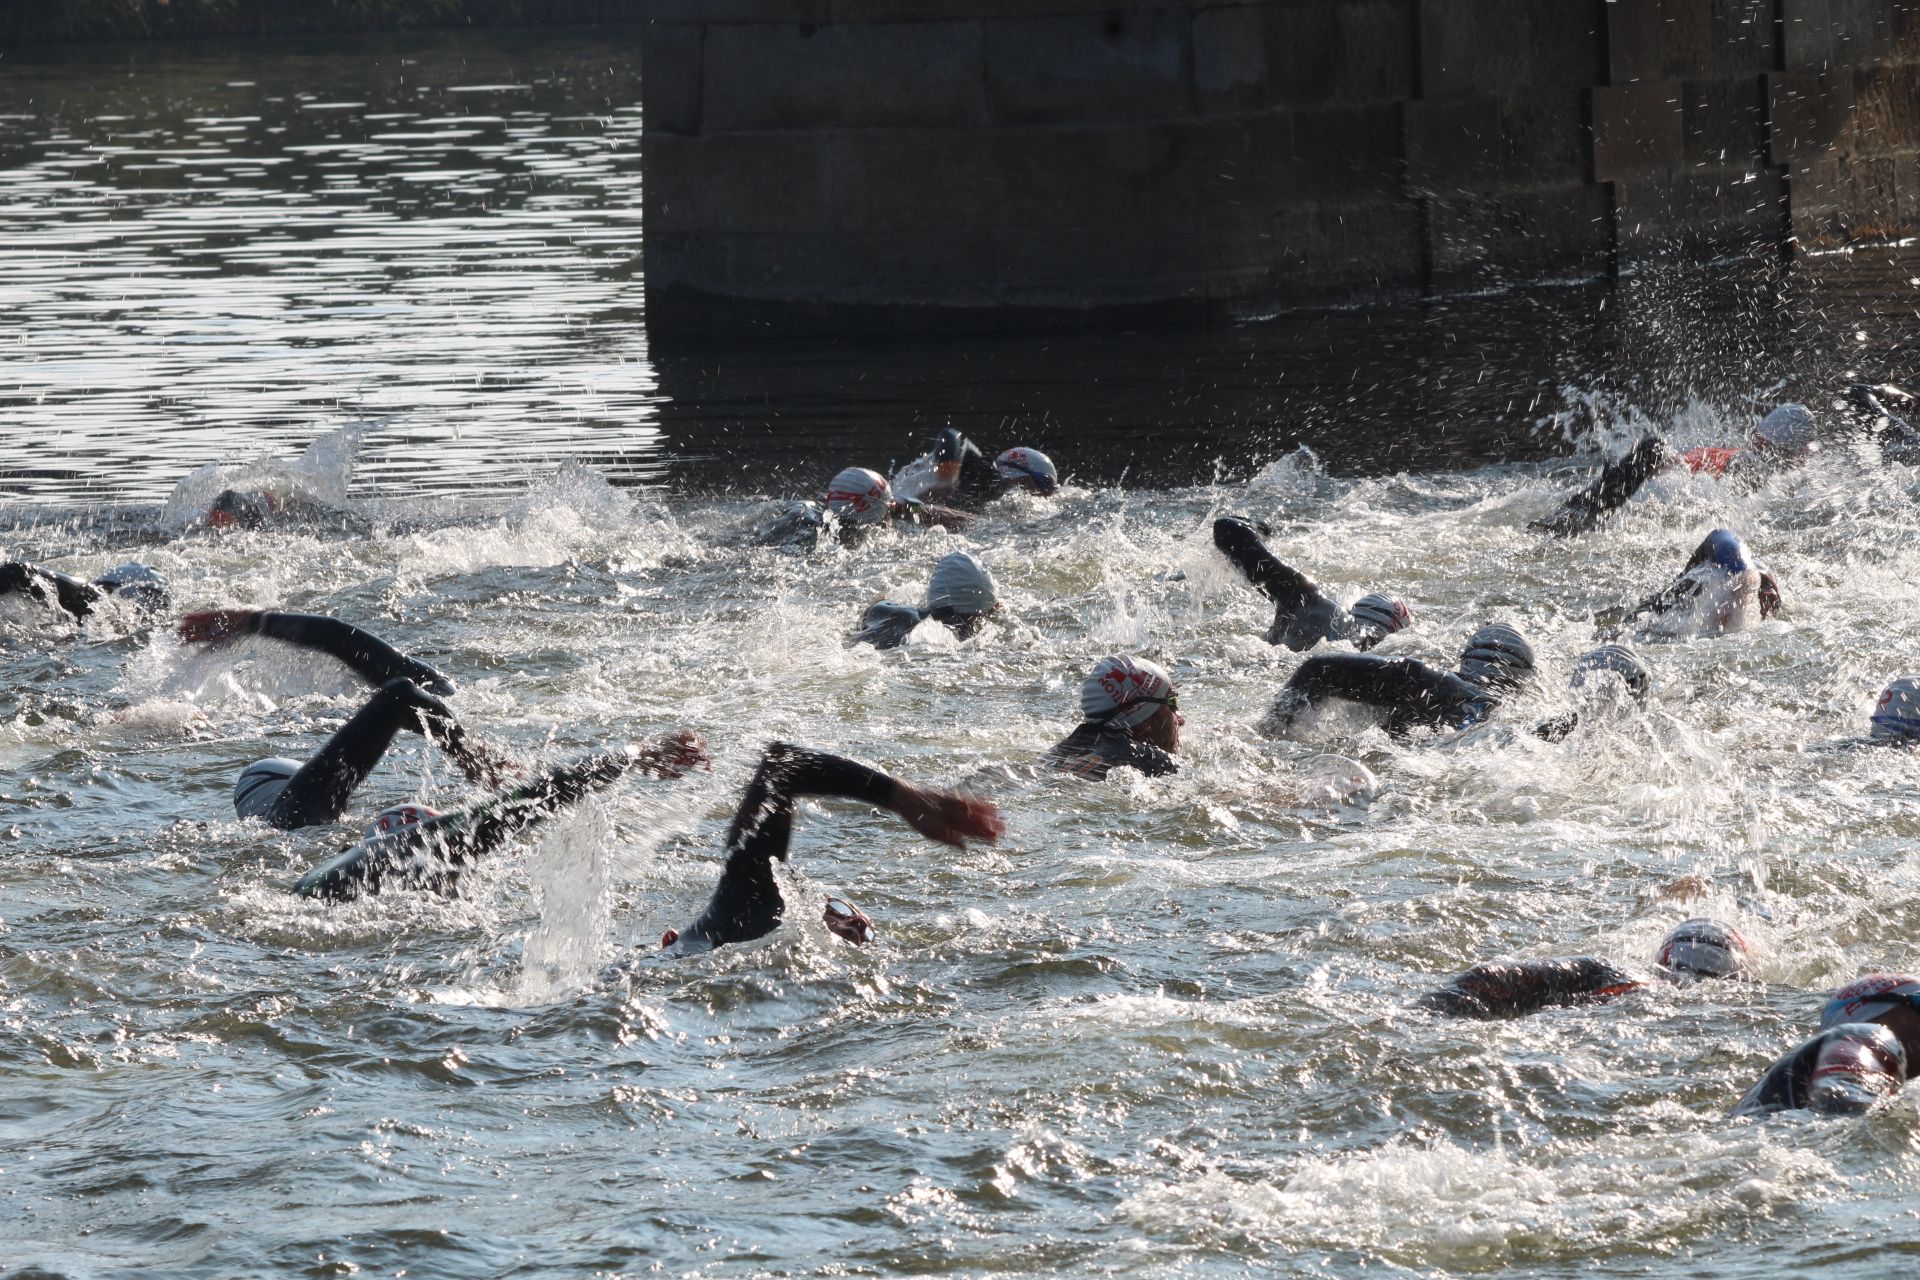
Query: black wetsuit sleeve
[
  {"x": 1618, "y": 481},
  {"x": 1512, "y": 989},
  {"x": 432, "y": 855},
  {"x": 746, "y": 904},
  {"x": 72, "y": 595},
  {"x": 887, "y": 625},
  {"x": 372, "y": 658},
  {"x": 1413, "y": 693},
  {"x": 1094, "y": 750},
  {"x": 319, "y": 791},
  {"x": 1784, "y": 1087},
  {"x": 1303, "y": 614}
]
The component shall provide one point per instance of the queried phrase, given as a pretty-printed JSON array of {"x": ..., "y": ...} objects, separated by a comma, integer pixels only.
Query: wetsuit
[
  {"x": 1515, "y": 988},
  {"x": 78, "y": 599},
  {"x": 1413, "y": 694},
  {"x": 1786, "y": 1086},
  {"x": 319, "y": 791},
  {"x": 1619, "y": 480},
  {"x": 977, "y": 483},
  {"x": 1303, "y": 615},
  {"x": 747, "y": 903},
  {"x": 433, "y": 854},
  {"x": 1898, "y": 439},
  {"x": 370, "y": 657},
  {"x": 887, "y": 625},
  {"x": 1705, "y": 597},
  {"x": 1098, "y": 747},
  {"x": 238, "y": 509}
]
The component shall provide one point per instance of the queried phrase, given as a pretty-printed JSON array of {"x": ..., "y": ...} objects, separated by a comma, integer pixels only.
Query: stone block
[
  {"x": 1106, "y": 264},
  {"x": 902, "y": 179},
  {"x": 1357, "y": 51},
  {"x": 1454, "y": 144},
  {"x": 1370, "y": 248},
  {"x": 1506, "y": 237},
  {"x": 703, "y": 12},
  {"x": 1690, "y": 214},
  {"x": 1637, "y": 129},
  {"x": 1230, "y": 59},
  {"x": 1806, "y": 29},
  {"x": 864, "y": 268},
  {"x": 936, "y": 10},
  {"x": 1054, "y": 176},
  {"x": 1636, "y": 41},
  {"x": 1809, "y": 113},
  {"x": 787, "y": 77},
  {"x": 1725, "y": 123},
  {"x": 768, "y": 182},
  {"x": 1886, "y": 113},
  {"x": 1742, "y": 39},
  {"x": 1862, "y": 31},
  {"x": 1127, "y": 64},
  {"x": 670, "y": 67},
  {"x": 1448, "y": 45},
  {"x": 1836, "y": 200},
  {"x": 1246, "y": 170},
  {"x": 1347, "y": 155},
  {"x": 1545, "y": 138}
]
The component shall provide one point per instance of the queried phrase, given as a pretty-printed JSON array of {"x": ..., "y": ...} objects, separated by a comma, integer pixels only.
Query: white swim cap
[
  {"x": 1865, "y": 999},
  {"x": 1030, "y": 468},
  {"x": 260, "y": 784},
  {"x": 1790, "y": 430},
  {"x": 1124, "y": 691},
  {"x": 1704, "y": 948},
  {"x": 1896, "y": 717},
  {"x": 387, "y": 821},
  {"x": 961, "y": 583},
  {"x": 136, "y": 583},
  {"x": 859, "y": 496}
]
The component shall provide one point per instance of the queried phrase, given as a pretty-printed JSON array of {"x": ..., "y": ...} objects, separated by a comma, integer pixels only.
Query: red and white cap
[
  {"x": 1030, "y": 468},
  {"x": 1124, "y": 690},
  {"x": 388, "y": 821},
  {"x": 1865, "y": 999},
  {"x": 859, "y": 496}
]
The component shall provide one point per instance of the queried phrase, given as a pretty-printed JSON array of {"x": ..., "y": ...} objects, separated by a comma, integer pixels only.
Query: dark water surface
[{"x": 1163, "y": 1027}]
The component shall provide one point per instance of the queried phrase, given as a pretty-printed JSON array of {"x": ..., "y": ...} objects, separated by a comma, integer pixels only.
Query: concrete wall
[{"x": 967, "y": 163}]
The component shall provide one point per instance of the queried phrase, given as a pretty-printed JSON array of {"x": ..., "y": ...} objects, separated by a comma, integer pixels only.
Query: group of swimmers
[{"x": 1868, "y": 1041}]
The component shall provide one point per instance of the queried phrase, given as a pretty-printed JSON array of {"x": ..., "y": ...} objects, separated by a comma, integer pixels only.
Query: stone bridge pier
[{"x": 880, "y": 165}]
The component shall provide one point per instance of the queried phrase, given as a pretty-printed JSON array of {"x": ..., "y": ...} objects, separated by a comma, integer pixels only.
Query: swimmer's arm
[
  {"x": 1278, "y": 582},
  {"x": 370, "y": 657},
  {"x": 1618, "y": 481},
  {"x": 788, "y": 772},
  {"x": 1407, "y": 687},
  {"x": 929, "y": 513},
  {"x": 71, "y": 594}
]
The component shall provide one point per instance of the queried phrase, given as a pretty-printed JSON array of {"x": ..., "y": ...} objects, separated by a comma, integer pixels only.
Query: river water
[{"x": 1163, "y": 1026}]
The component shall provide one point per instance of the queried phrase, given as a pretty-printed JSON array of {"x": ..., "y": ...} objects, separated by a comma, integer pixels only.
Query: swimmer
[
  {"x": 287, "y": 794},
  {"x": 1303, "y": 615},
  {"x": 415, "y": 847},
  {"x": 960, "y": 596},
  {"x": 1606, "y": 680},
  {"x": 1695, "y": 950},
  {"x": 1896, "y": 716},
  {"x": 1130, "y": 718},
  {"x": 1786, "y": 437},
  {"x": 1722, "y": 589},
  {"x": 747, "y": 903},
  {"x": 858, "y": 503},
  {"x": 258, "y": 509},
  {"x": 957, "y": 472},
  {"x": 1411, "y": 694},
  {"x": 1868, "y": 1046},
  {"x": 137, "y": 584}
]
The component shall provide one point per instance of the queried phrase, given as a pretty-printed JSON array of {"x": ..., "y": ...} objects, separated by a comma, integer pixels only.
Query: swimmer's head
[
  {"x": 1616, "y": 665},
  {"x": 1379, "y": 617},
  {"x": 1724, "y": 550},
  {"x": 1031, "y": 469},
  {"x": 1703, "y": 948},
  {"x": 962, "y": 586},
  {"x": 858, "y": 496},
  {"x": 400, "y": 816},
  {"x": 1789, "y": 433},
  {"x": 1896, "y": 717},
  {"x": 260, "y": 784},
  {"x": 1858, "y": 1066},
  {"x": 1133, "y": 694},
  {"x": 138, "y": 584},
  {"x": 233, "y": 509},
  {"x": 1497, "y": 658},
  {"x": 1891, "y": 1000}
]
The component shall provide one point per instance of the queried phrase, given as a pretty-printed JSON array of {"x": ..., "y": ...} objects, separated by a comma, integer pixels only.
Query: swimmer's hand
[
  {"x": 947, "y": 816},
  {"x": 676, "y": 754},
  {"x": 844, "y": 920},
  {"x": 215, "y": 626}
]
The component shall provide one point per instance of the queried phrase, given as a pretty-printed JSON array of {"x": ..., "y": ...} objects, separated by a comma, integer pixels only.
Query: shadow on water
[{"x": 214, "y": 249}]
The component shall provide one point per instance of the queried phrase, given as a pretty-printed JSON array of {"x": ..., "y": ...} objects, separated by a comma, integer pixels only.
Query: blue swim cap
[
  {"x": 1896, "y": 717},
  {"x": 1496, "y": 657},
  {"x": 1724, "y": 548}
]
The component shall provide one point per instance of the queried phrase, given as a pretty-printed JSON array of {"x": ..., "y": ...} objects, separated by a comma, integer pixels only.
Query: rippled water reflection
[{"x": 1162, "y": 1028}]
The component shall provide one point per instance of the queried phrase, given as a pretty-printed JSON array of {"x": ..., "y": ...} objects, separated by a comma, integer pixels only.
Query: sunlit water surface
[{"x": 1162, "y": 1027}]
